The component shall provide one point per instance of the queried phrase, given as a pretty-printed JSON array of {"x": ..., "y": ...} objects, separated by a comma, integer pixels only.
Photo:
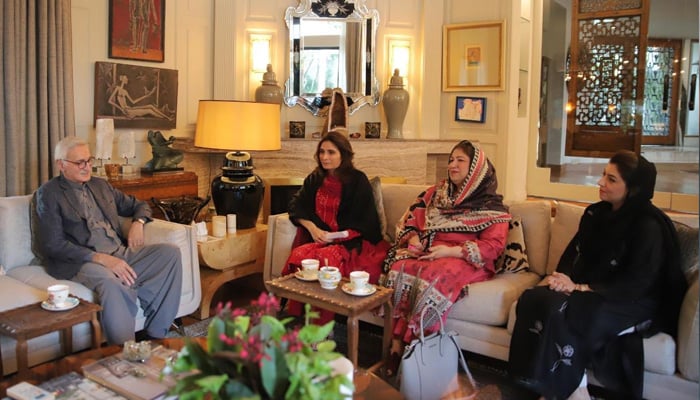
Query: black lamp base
[{"x": 243, "y": 198}]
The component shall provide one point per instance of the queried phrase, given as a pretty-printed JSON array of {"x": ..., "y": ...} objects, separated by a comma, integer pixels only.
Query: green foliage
[{"x": 253, "y": 355}]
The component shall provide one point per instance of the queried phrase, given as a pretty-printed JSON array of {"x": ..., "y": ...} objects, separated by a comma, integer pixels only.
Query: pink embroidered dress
[{"x": 474, "y": 218}]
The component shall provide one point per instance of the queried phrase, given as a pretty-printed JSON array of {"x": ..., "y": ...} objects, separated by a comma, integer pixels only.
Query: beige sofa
[
  {"x": 23, "y": 282},
  {"x": 485, "y": 318}
]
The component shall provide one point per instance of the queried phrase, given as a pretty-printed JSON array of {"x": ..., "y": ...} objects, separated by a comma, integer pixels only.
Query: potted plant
[{"x": 250, "y": 354}]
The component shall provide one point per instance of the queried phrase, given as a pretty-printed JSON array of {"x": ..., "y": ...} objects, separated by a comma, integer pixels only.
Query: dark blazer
[{"x": 63, "y": 229}]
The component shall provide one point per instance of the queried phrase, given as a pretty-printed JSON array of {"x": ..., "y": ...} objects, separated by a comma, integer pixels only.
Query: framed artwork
[
  {"x": 373, "y": 130},
  {"x": 297, "y": 129},
  {"x": 473, "y": 56},
  {"x": 137, "y": 30},
  {"x": 135, "y": 96},
  {"x": 470, "y": 109}
]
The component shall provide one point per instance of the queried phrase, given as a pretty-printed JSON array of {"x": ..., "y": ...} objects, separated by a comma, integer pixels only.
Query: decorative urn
[
  {"x": 395, "y": 101},
  {"x": 269, "y": 91}
]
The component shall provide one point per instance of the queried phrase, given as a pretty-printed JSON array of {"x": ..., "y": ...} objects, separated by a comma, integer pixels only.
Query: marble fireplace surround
[{"x": 418, "y": 161}]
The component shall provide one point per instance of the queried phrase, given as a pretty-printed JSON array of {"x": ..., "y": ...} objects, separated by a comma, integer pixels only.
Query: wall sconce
[
  {"x": 399, "y": 56},
  {"x": 259, "y": 52}
]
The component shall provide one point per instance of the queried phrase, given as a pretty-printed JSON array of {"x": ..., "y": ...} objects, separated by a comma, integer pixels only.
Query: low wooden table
[
  {"x": 339, "y": 302},
  {"x": 224, "y": 259},
  {"x": 30, "y": 321},
  {"x": 367, "y": 384}
]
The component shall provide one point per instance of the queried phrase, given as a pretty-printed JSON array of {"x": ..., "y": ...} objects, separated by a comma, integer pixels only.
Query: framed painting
[
  {"x": 470, "y": 109},
  {"x": 135, "y": 96},
  {"x": 473, "y": 56},
  {"x": 137, "y": 30}
]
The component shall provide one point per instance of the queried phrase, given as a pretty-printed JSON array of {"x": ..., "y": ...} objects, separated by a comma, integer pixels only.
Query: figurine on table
[{"x": 164, "y": 158}]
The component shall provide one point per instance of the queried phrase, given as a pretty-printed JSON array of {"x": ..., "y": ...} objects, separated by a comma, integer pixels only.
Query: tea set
[{"x": 329, "y": 277}]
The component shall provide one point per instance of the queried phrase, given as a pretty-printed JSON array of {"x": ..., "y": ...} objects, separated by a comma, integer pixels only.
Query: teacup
[
  {"x": 329, "y": 277},
  {"x": 309, "y": 267},
  {"x": 359, "y": 281},
  {"x": 58, "y": 294}
]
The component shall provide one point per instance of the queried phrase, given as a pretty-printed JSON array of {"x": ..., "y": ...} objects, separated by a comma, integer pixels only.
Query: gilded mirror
[{"x": 332, "y": 43}]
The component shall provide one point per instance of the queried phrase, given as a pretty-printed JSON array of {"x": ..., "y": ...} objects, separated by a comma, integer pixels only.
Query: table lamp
[{"x": 239, "y": 126}]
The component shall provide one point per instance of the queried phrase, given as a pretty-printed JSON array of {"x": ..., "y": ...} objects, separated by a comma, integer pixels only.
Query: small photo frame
[
  {"x": 297, "y": 129},
  {"x": 470, "y": 109},
  {"x": 372, "y": 130}
]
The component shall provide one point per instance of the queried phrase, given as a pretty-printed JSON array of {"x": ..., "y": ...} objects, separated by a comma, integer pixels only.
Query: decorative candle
[
  {"x": 218, "y": 225},
  {"x": 231, "y": 223}
]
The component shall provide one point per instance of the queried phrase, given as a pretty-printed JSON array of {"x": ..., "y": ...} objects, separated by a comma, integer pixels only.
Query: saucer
[
  {"x": 71, "y": 302},
  {"x": 300, "y": 275},
  {"x": 368, "y": 289}
]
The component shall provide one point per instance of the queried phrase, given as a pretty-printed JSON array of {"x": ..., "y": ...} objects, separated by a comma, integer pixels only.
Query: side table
[
  {"x": 143, "y": 187},
  {"x": 30, "y": 321},
  {"x": 224, "y": 259},
  {"x": 339, "y": 302}
]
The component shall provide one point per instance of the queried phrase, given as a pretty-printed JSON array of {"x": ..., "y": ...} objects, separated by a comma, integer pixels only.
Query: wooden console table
[
  {"x": 224, "y": 259},
  {"x": 163, "y": 186}
]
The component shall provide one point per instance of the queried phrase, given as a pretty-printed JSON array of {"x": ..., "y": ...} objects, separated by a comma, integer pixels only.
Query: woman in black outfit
[{"x": 620, "y": 271}]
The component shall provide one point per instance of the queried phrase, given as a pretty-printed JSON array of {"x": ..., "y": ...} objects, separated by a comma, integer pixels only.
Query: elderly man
[{"x": 81, "y": 240}]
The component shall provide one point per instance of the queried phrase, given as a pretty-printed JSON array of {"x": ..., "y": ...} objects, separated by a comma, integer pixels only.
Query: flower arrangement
[{"x": 252, "y": 355}]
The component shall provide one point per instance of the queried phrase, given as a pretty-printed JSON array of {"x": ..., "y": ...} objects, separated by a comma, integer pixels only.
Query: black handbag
[{"x": 430, "y": 365}]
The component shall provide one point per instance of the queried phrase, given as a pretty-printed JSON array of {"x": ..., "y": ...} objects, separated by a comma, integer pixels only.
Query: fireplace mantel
[{"x": 418, "y": 161}]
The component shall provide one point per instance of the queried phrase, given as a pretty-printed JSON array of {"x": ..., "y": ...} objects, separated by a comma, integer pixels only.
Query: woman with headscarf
[
  {"x": 619, "y": 280},
  {"x": 450, "y": 237}
]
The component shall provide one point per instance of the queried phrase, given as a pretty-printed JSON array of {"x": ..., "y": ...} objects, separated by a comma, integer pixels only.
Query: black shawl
[{"x": 357, "y": 208}]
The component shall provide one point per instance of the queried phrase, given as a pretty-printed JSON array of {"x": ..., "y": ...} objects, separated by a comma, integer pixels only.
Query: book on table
[
  {"x": 74, "y": 386},
  {"x": 133, "y": 380}
]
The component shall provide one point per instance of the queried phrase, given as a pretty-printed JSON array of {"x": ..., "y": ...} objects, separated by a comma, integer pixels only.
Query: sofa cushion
[
  {"x": 660, "y": 354},
  {"x": 14, "y": 293},
  {"x": 489, "y": 302},
  {"x": 15, "y": 236},
  {"x": 37, "y": 277},
  {"x": 536, "y": 219},
  {"x": 397, "y": 198},
  {"x": 688, "y": 333},
  {"x": 379, "y": 204},
  {"x": 564, "y": 227},
  {"x": 688, "y": 241},
  {"x": 514, "y": 257}
]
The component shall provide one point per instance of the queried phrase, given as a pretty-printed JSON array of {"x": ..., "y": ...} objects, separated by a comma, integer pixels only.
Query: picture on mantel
[{"x": 136, "y": 96}]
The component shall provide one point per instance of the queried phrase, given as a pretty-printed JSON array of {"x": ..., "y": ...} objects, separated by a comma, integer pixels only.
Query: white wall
[{"x": 206, "y": 41}]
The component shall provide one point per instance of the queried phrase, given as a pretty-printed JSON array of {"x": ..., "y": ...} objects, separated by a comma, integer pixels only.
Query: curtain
[
  {"x": 354, "y": 64},
  {"x": 36, "y": 90}
]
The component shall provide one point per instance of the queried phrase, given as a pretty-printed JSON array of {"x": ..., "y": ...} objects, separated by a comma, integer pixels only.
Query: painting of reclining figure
[{"x": 136, "y": 96}]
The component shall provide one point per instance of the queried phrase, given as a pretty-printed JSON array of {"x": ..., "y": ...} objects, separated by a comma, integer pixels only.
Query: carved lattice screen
[{"x": 606, "y": 76}]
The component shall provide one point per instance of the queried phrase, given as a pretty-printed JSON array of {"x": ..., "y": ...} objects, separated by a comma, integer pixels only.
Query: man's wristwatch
[{"x": 142, "y": 220}]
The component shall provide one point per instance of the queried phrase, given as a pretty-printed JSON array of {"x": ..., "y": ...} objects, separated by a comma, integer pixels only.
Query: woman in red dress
[
  {"x": 450, "y": 237},
  {"x": 336, "y": 197}
]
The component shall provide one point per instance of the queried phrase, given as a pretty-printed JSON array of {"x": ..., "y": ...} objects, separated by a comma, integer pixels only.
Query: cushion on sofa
[
  {"x": 688, "y": 333},
  {"x": 397, "y": 198},
  {"x": 660, "y": 354},
  {"x": 514, "y": 256},
  {"x": 489, "y": 302},
  {"x": 14, "y": 293},
  {"x": 688, "y": 241},
  {"x": 535, "y": 216},
  {"x": 379, "y": 204},
  {"x": 15, "y": 237},
  {"x": 564, "y": 227},
  {"x": 280, "y": 235}
]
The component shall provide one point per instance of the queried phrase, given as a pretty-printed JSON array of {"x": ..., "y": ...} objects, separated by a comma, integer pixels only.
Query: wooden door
[
  {"x": 661, "y": 91},
  {"x": 605, "y": 72}
]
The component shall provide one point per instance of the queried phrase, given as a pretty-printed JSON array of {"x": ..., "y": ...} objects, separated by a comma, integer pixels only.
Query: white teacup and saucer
[
  {"x": 59, "y": 299},
  {"x": 359, "y": 284},
  {"x": 309, "y": 270}
]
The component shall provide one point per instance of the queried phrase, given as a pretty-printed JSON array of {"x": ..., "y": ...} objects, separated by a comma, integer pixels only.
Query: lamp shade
[{"x": 238, "y": 125}]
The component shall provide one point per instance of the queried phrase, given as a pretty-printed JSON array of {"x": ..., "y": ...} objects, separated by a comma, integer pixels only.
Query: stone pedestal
[{"x": 395, "y": 106}]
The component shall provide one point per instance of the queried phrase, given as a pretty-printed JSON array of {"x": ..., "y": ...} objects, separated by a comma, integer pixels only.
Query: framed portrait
[
  {"x": 137, "y": 30},
  {"x": 470, "y": 109},
  {"x": 135, "y": 96},
  {"x": 297, "y": 129},
  {"x": 373, "y": 130},
  {"x": 473, "y": 56}
]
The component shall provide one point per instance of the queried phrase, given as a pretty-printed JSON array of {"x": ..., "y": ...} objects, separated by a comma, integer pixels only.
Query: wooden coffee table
[
  {"x": 30, "y": 321},
  {"x": 367, "y": 384},
  {"x": 339, "y": 302}
]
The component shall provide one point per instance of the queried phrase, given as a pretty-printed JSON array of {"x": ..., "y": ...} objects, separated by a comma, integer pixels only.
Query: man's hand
[
  {"x": 135, "y": 238},
  {"x": 119, "y": 267}
]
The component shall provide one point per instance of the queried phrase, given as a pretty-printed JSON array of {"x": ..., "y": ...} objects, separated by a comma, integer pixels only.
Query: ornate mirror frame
[{"x": 365, "y": 22}]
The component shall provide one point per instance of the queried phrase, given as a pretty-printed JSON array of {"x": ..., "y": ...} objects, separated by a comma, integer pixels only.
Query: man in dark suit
[{"x": 81, "y": 240}]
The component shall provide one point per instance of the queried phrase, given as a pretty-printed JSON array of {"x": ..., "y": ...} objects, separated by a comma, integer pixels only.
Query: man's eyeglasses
[{"x": 81, "y": 163}]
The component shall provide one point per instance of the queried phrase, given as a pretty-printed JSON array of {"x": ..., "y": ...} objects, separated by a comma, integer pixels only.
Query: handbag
[{"x": 429, "y": 367}]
